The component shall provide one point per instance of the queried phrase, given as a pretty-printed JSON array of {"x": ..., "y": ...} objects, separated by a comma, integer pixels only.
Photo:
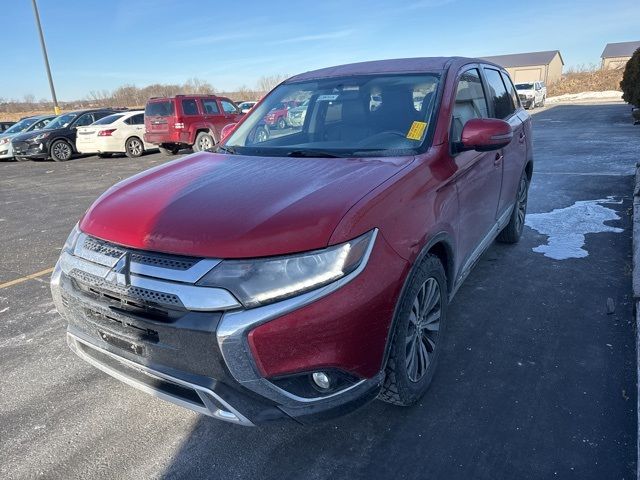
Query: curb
[{"x": 636, "y": 293}]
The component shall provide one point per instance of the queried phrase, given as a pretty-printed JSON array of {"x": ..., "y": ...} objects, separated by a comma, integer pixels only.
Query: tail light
[
  {"x": 178, "y": 125},
  {"x": 106, "y": 133}
]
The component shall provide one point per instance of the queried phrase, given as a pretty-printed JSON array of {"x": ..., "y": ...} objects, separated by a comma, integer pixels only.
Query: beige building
[
  {"x": 531, "y": 67},
  {"x": 616, "y": 55}
]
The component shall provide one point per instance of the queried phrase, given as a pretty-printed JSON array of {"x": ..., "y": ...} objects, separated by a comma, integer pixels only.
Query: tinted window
[
  {"x": 159, "y": 109},
  {"x": 189, "y": 107},
  {"x": 137, "y": 119},
  {"x": 210, "y": 107},
  {"x": 84, "y": 120},
  {"x": 228, "y": 107},
  {"x": 498, "y": 95},
  {"x": 511, "y": 89},
  {"x": 109, "y": 119},
  {"x": 470, "y": 102}
]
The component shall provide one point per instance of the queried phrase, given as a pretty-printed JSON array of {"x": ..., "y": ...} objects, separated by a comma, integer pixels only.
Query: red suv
[
  {"x": 187, "y": 121},
  {"x": 303, "y": 275}
]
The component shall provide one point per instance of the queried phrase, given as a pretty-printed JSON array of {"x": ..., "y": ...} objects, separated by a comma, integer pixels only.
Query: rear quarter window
[{"x": 159, "y": 109}]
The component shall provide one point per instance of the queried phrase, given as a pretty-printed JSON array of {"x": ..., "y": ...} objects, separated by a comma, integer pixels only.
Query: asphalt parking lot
[{"x": 537, "y": 379}]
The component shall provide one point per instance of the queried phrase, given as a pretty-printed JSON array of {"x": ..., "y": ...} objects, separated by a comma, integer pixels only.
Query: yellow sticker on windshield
[{"x": 417, "y": 130}]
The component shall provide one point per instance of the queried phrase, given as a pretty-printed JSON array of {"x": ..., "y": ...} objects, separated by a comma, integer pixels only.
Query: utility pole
[{"x": 56, "y": 109}]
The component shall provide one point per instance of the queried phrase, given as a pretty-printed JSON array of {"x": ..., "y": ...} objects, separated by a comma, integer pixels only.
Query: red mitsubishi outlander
[{"x": 303, "y": 275}]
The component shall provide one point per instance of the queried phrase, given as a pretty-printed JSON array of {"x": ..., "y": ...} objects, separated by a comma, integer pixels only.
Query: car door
[
  {"x": 213, "y": 116},
  {"x": 479, "y": 174},
  {"x": 503, "y": 103},
  {"x": 231, "y": 112},
  {"x": 135, "y": 127}
]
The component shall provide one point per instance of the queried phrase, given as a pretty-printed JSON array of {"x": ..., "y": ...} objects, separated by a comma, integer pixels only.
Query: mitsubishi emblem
[{"x": 120, "y": 273}]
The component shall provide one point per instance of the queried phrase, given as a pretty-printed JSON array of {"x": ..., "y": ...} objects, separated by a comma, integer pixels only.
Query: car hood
[
  {"x": 35, "y": 133},
  {"x": 526, "y": 91},
  {"x": 232, "y": 206}
]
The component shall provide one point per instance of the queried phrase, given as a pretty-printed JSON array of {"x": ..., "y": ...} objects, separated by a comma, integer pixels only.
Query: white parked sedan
[{"x": 120, "y": 132}]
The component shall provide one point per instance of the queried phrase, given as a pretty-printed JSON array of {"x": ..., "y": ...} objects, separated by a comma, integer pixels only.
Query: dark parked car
[
  {"x": 58, "y": 139},
  {"x": 5, "y": 126},
  {"x": 303, "y": 275},
  {"x": 187, "y": 121}
]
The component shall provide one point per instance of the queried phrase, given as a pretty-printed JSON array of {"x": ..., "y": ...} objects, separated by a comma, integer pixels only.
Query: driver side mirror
[{"x": 485, "y": 134}]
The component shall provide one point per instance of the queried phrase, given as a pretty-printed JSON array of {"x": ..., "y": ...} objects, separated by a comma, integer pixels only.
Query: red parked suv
[
  {"x": 302, "y": 275},
  {"x": 187, "y": 121}
]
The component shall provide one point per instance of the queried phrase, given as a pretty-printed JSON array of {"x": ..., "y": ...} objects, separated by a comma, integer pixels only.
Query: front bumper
[
  {"x": 203, "y": 359},
  {"x": 30, "y": 149}
]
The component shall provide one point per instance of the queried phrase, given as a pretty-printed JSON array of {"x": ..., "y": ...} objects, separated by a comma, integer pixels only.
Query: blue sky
[{"x": 101, "y": 44}]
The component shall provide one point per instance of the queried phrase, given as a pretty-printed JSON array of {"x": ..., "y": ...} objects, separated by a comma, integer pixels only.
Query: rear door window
[
  {"x": 189, "y": 106},
  {"x": 511, "y": 89},
  {"x": 159, "y": 109},
  {"x": 498, "y": 96},
  {"x": 470, "y": 102},
  {"x": 210, "y": 107}
]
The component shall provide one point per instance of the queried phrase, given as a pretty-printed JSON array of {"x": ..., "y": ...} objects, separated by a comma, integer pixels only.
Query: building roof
[
  {"x": 621, "y": 49},
  {"x": 525, "y": 59}
]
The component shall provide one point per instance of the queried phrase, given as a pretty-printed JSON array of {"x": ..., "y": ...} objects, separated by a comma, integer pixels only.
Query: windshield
[
  {"x": 375, "y": 115},
  {"x": 108, "y": 119},
  {"x": 21, "y": 126},
  {"x": 524, "y": 86},
  {"x": 62, "y": 121},
  {"x": 159, "y": 109}
]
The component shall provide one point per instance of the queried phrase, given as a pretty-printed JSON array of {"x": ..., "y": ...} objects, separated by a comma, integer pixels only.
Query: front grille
[
  {"x": 171, "y": 262},
  {"x": 97, "y": 285},
  {"x": 522, "y": 97},
  {"x": 103, "y": 248}
]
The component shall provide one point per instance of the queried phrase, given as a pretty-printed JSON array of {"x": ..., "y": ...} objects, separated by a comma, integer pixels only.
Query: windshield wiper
[
  {"x": 312, "y": 153},
  {"x": 230, "y": 150}
]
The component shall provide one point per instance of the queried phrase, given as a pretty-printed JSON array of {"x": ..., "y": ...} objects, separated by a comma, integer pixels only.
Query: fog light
[{"x": 321, "y": 379}]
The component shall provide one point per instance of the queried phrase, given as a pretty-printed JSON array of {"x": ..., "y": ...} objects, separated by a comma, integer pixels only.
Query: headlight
[
  {"x": 265, "y": 280},
  {"x": 42, "y": 136},
  {"x": 70, "y": 243},
  {"x": 4, "y": 140}
]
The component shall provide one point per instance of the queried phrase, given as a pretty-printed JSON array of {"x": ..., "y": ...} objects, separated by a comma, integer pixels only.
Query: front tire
[
  {"x": 417, "y": 336},
  {"x": 513, "y": 231},
  {"x": 61, "y": 151},
  {"x": 282, "y": 124},
  {"x": 133, "y": 147}
]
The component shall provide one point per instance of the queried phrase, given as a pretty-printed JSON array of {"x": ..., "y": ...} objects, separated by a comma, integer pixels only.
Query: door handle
[
  {"x": 498, "y": 159},
  {"x": 521, "y": 137}
]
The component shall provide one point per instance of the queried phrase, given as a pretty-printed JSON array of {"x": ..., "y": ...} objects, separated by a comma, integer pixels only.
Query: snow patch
[
  {"x": 567, "y": 227},
  {"x": 572, "y": 97}
]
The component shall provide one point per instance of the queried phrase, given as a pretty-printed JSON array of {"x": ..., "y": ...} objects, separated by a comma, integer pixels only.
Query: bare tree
[
  {"x": 266, "y": 83},
  {"x": 29, "y": 99}
]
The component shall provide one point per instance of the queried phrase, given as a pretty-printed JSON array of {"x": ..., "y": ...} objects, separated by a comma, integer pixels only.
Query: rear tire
[
  {"x": 282, "y": 124},
  {"x": 169, "y": 149},
  {"x": 133, "y": 147},
  {"x": 417, "y": 337},
  {"x": 513, "y": 231},
  {"x": 61, "y": 151},
  {"x": 204, "y": 142}
]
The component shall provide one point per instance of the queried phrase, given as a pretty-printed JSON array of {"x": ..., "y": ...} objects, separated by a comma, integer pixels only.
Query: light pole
[{"x": 56, "y": 109}]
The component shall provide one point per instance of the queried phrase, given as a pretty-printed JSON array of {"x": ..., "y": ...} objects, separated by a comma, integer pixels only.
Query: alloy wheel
[
  {"x": 135, "y": 147},
  {"x": 521, "y": 203},
  {"x": 62, "y": 151},
  {"x": 423, "y": 330},
  {"x": 205, "y": 143}
]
